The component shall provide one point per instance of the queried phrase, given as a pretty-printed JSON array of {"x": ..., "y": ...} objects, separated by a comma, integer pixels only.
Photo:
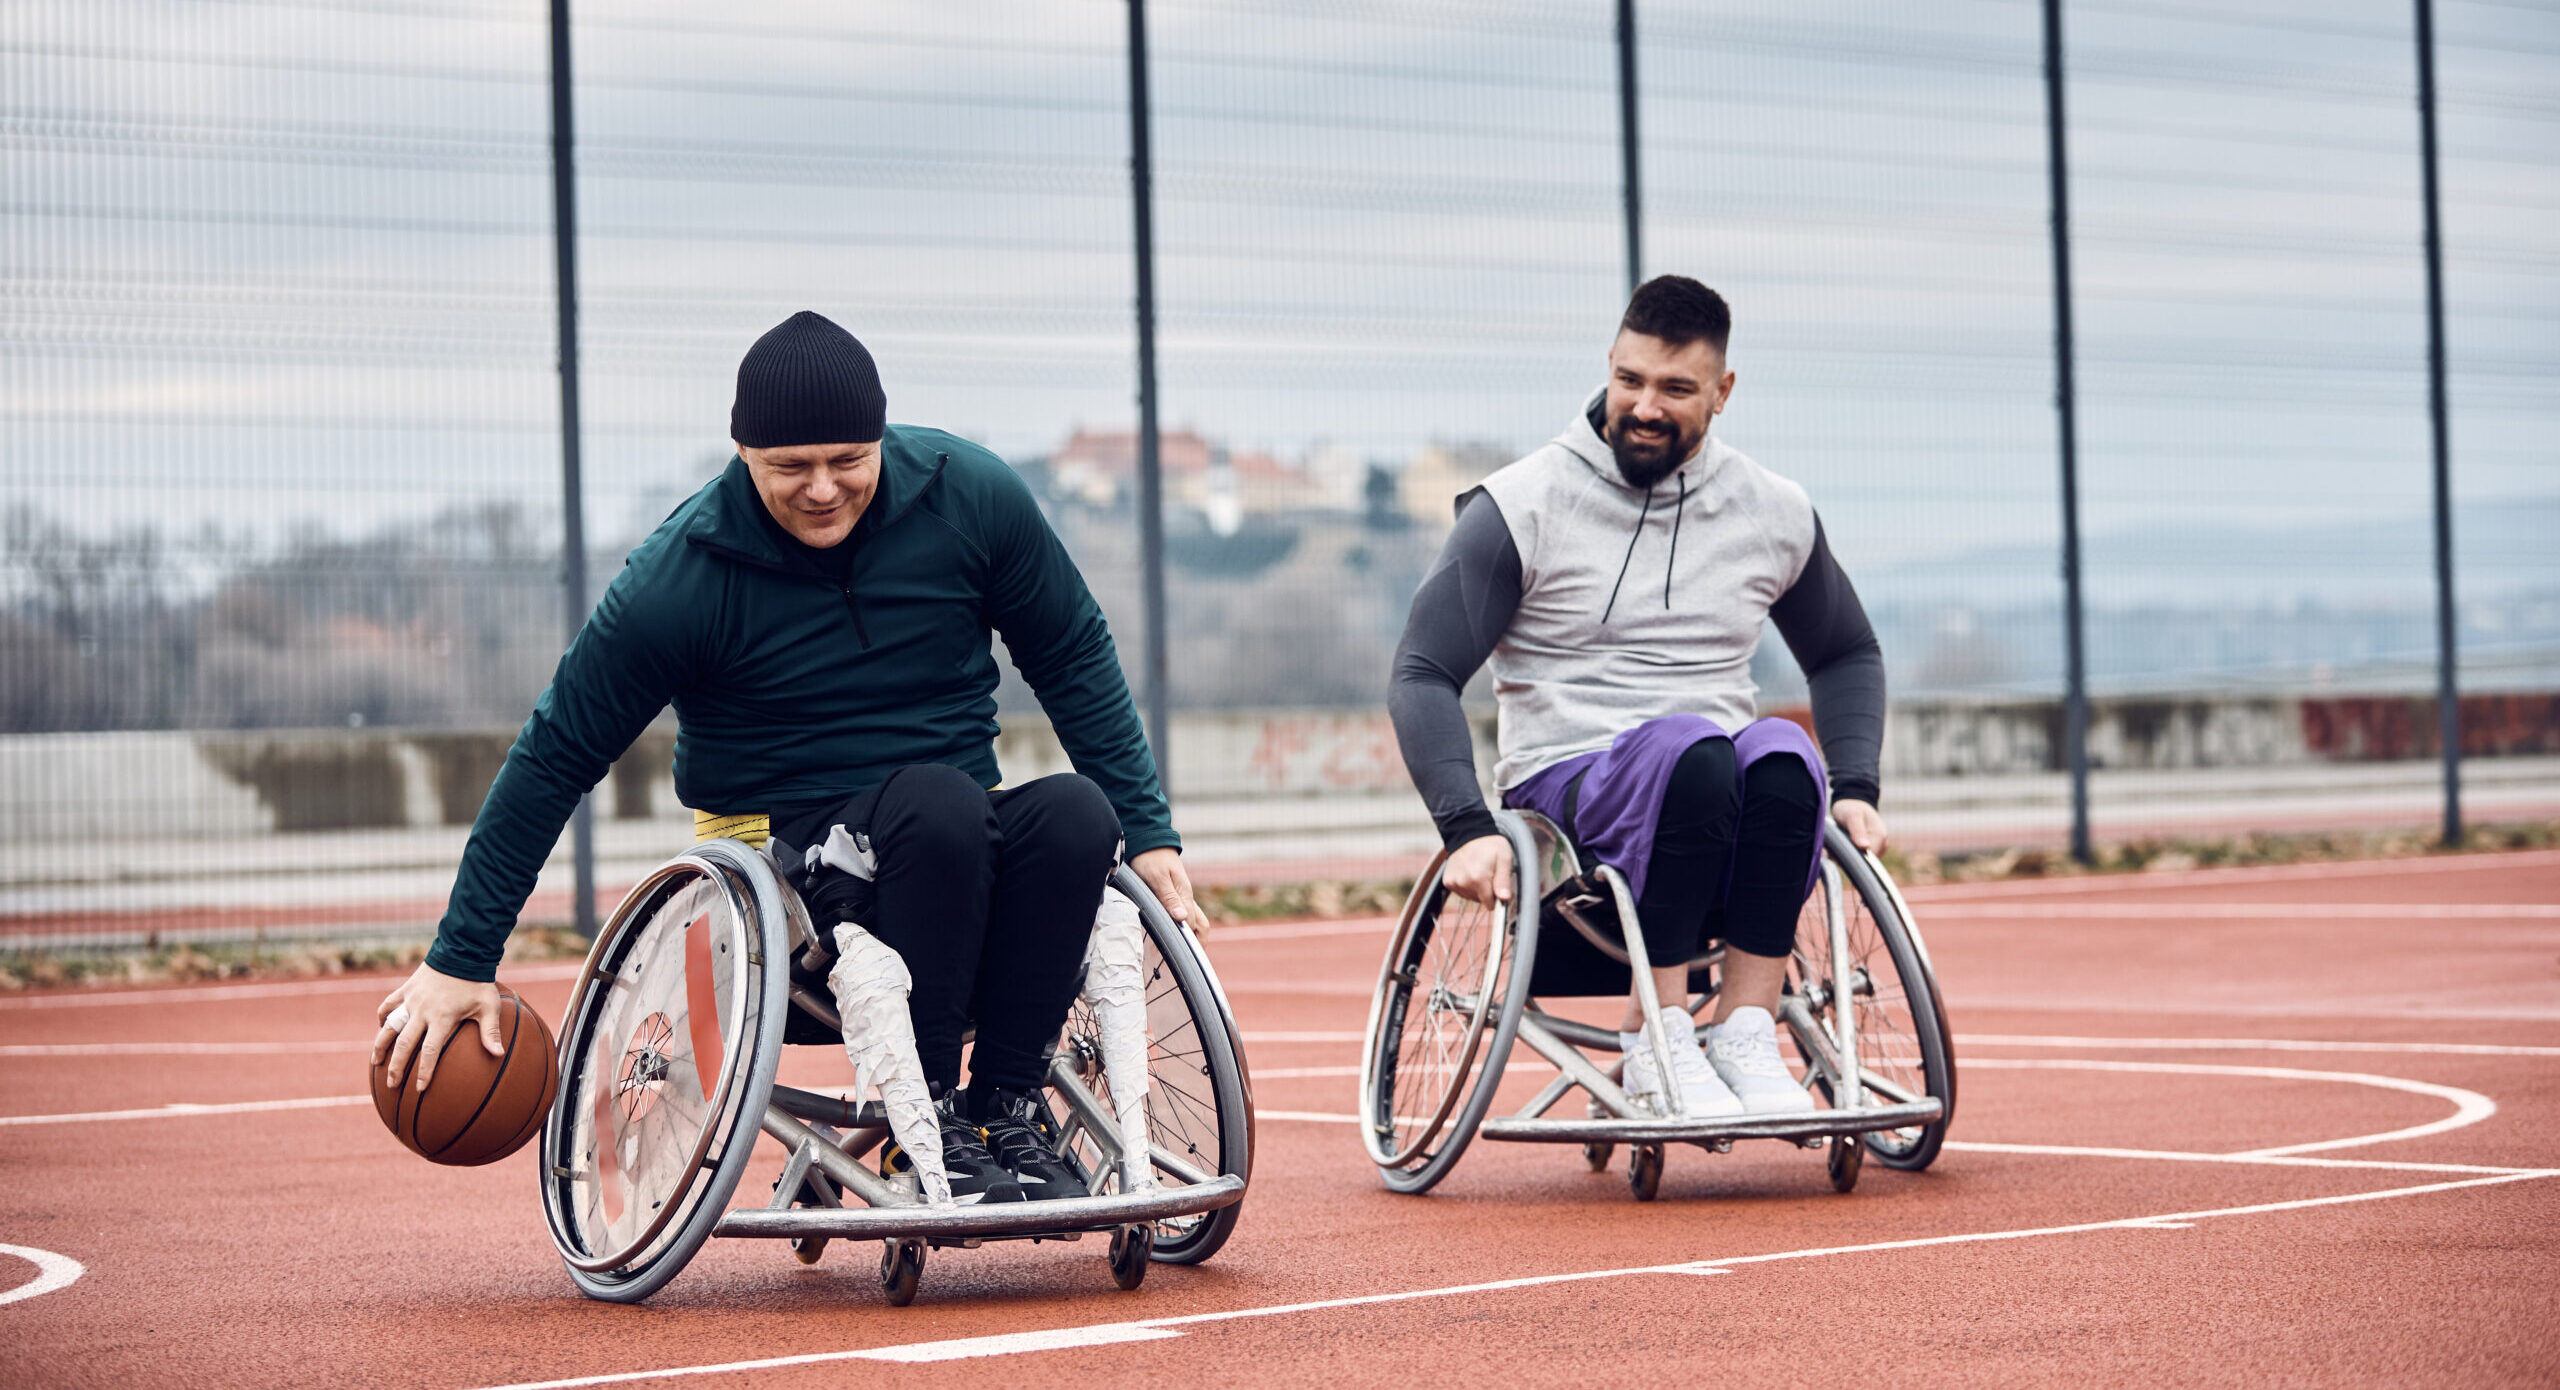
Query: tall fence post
[
  {"x": 573, "y": 518},
  {"x": 1630, "y": 161},
  {"x": 2448, "y": 638},
  {"x": 2075, "y": 695},
  {"x": 1150, "y": 461}
]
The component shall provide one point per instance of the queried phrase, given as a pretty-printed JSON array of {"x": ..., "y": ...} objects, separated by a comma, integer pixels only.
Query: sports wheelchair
[
  {"x": 668, "y": 1054},
  {"x": 1460, "y": 986}
]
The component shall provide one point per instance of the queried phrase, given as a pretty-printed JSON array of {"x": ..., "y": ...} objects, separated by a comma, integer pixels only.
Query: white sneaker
[
  {"x": 1744, "y": 1051},
  {"x": 1702, "y": 1095}
]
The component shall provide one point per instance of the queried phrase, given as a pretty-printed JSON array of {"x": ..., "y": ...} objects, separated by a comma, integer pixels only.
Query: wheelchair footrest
[
  {"x": 1000, "y": 1219},
  {"x": 1802, "y": 1125}
]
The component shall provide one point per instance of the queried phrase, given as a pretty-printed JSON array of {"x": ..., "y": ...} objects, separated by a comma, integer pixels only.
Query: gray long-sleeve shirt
[{"x": 1606, "y": 622}]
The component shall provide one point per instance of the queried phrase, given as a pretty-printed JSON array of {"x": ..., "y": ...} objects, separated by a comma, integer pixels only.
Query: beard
[{"x": 1646, "y": 454}]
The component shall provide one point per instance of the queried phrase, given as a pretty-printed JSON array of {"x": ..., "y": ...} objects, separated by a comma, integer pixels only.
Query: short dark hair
[{"x": 1679, "y": 311}]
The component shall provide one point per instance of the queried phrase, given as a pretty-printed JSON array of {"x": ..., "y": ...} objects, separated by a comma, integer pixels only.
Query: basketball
[{"x": 478, "y": 1108}]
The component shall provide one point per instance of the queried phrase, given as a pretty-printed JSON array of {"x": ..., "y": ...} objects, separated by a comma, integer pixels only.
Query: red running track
[{"x": 2126, "y": 1044}]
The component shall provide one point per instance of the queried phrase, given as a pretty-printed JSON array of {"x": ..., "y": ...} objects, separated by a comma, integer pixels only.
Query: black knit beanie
[{"x": 807, "y": 382}]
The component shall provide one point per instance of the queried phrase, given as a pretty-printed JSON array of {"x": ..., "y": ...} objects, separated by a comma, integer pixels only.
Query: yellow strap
[{"x": 754, "y": 829}]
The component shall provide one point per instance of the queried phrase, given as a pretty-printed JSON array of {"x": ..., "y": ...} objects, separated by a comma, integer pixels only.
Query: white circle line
[
  {"x": 2470, "y": 1107},
  {"x": 52, "y": 1272}
]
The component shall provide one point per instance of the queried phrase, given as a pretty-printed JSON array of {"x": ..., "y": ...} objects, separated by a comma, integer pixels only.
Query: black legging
[
  {"x": 989, "y": 898},
  {"x": 1730, "y": 854}
]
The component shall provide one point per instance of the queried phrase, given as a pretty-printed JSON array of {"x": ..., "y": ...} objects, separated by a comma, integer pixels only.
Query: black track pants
[
  {"x": 988, "y": 896},
  {"x": 1730, "y": 854}
]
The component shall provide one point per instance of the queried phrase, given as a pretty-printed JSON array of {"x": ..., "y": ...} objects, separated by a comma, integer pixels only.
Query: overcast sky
[{"x": 274, "y": 263}]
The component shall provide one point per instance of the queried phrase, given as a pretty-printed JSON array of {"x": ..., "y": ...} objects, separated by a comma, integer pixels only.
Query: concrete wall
[{"x": 88, "y": 786}]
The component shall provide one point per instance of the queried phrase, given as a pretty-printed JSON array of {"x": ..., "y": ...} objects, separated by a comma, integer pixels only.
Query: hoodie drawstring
[
  {"x": 1632, "y": 538},
  {"x": 1668, "y": 565}
]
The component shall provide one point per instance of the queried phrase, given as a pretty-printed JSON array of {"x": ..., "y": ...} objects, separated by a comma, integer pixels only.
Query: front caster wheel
[
  {"x": 1845, "y": 1155},
  {"x": 1597, "y": 1155},
  {"x": 901, "y": 1269},
  {"x": 1130, "y": 1247},
  {"x": 1644, "y": 1171}
]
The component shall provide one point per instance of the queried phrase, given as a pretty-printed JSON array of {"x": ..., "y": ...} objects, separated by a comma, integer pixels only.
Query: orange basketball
[{"x": 478, "y": 1108}]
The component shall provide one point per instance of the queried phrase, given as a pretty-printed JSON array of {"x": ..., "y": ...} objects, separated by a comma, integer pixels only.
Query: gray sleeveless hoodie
[{"x": 1635, "y": 603}]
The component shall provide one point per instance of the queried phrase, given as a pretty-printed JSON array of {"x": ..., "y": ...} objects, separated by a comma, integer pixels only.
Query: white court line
[
  {"x": 199, "y": 994},
  {"x": 2147, "y": 912},
  {"x": 1012, "y": 1343},
  {"x": 2250, "y": 1045},
  {"x": 176, "y": 1049},
  {"x": 52, "y": 1272},
  {"x": 1103, "y": 1334},
  {"x": 2247, "y": 1159},
  {"x": 1338, "y": 1035},
  {"x": 181, "y": 1109},
  {"x": 1922, "y": 895},
  {"x": 2252, "y": 1158},
  {"x": 2470, "y": 1107},
  {"x": 1300, "y": 1073}
]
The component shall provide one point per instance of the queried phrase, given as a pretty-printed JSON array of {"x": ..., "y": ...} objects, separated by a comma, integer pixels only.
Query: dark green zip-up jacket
[{"x": 789, "y": 690}]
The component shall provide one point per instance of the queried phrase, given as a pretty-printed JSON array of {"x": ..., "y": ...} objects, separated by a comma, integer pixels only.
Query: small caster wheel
[
  {"x": 1844, "y": 1156},
  {"x": 1644, "y": 1170},
  {"x": 1597, "y": 1155},
  {"x": 1130, "y": 1247},
  {"x": 816, "y": 1190},
  {"x": 901, "y": 1269}
]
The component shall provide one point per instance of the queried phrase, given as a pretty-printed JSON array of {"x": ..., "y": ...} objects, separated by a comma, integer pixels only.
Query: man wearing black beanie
[{"x": 820, "y": 617}]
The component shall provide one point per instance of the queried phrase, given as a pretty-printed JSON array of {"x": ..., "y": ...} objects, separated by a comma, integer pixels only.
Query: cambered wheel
[
  {"x": 901, "y": 1270},
  {"x": 1644, "y": 1171},
  {"x": 1441, "y": 1023},
  {"x": 1130, "y": 1247},
  {"x": 668, "y": 1050},
  {"x": 1597, "y": 1154},
  {"x": 1904, "y": 1048},
  {"x": 1199, "y": 1093}
]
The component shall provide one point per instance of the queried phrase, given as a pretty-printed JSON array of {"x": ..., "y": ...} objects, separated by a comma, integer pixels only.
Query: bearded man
[{"x": 1618, "y": 579}]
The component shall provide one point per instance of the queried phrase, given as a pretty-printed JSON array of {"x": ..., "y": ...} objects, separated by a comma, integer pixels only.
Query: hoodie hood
[
  {"x": 1581, "y": 438},
  {"x": 1636, "y": 602}
]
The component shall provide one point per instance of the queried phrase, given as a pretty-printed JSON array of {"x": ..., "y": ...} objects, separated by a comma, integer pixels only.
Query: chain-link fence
[{"x": 280, "y": 414}]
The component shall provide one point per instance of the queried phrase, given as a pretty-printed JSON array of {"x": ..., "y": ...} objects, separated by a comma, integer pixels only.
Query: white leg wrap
[
  {"x": 1116, "y": 988},
  {"x": 870, "y": 983}
]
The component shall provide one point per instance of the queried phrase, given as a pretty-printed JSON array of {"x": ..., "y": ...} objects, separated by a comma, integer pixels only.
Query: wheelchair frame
[
  {"x": 1864, "y": 1105},
  {"x": 740, "y": 972}
]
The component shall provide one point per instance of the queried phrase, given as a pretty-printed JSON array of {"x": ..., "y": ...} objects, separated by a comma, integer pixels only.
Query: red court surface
[{"x": 2290, "y": 1126}]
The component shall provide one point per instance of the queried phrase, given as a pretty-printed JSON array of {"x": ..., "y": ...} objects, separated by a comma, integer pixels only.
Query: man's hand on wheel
[
  {"x": 1865, "y": 826},
  {"x": 1480, "y": 870},
  {"x": 1161, "y": 870},
  {"x": 433, "y": 1006}
]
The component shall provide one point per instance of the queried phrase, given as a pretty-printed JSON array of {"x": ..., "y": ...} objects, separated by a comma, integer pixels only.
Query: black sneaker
[
  {"x": 975, "y": 1174},
  {"x": 1024, "y": 1136}
]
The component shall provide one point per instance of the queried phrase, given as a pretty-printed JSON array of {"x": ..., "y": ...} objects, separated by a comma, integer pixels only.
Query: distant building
[
  {"x": 1437, "y": 473},
  {"x": 1099, "y": 468}
]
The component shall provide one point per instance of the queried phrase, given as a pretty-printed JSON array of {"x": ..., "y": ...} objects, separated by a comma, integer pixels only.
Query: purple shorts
[{"x": 1621, "y": 800}]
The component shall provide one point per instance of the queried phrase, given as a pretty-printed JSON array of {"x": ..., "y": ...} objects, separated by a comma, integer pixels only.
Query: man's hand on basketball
[
  {"x": 1162, "y": 872},
  {"x": 1864, "y": 824},
  {"x": 1480, "y": 870},
  {"x": 426, "y": 1009}
]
